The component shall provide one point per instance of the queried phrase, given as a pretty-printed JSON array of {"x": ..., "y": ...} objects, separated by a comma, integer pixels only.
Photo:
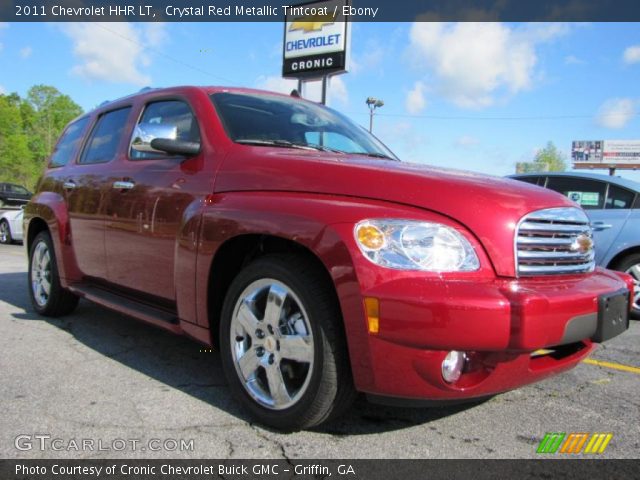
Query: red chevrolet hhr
[{"x": 320, "y": 265}]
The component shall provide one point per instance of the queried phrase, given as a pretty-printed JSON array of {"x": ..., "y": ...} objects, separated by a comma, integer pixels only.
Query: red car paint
[{"x": 160, "y": 242}]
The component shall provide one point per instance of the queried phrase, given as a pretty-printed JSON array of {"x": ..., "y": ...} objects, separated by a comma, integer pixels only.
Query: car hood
[{"x": 489, "y": 207}]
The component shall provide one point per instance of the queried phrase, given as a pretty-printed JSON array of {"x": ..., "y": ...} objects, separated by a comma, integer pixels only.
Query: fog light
[{"x": 452, "y": 366}]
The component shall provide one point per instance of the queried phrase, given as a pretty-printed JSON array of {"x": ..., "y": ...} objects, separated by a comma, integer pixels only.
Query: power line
[
  {"x": 167, "y": 56},
  {"x": 525, "y": 117}
]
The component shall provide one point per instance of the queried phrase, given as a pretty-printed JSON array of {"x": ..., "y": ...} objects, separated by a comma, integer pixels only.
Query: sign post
[{"x": 316, "y": 42}]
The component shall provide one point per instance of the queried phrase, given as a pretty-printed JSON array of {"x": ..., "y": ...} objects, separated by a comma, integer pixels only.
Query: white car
[{"x": 11, "y": 226}]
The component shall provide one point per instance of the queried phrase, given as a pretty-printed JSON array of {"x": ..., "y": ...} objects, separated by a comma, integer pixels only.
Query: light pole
[{"x": 373, "y": 103}]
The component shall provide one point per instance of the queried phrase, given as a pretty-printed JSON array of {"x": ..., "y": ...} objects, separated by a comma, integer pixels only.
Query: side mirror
[
  {"x": 176, "y": 147},
  {"x": 145, "y": 133}
]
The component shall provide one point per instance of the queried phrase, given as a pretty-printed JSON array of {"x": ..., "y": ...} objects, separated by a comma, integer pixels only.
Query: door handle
[
  {"x": 123, "y": 185},
  {"x": 69, "y": 185},
  {"x": 598, "y": 226}
]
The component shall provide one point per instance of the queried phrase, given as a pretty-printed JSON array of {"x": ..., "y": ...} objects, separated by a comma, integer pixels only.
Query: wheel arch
[
  {"x": 619, "y": 256},
  {"x": 237, "y": 252}
]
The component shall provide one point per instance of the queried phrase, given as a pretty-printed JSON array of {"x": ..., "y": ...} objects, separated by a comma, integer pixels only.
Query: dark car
[
  {"x": 12, "y": 195},
  {"x": 613, "y": 206}
]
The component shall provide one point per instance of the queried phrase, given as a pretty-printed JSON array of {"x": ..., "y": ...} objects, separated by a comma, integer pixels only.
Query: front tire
[
  {"x": 283, "y": 350},
  {"x": 47, "y": 295},
  {"x": 631, "y": 265},
  {"x": 5, "y": 232}
]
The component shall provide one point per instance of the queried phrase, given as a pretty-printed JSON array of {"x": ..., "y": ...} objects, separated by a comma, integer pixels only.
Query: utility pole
[{"x": 373, "y": 103}]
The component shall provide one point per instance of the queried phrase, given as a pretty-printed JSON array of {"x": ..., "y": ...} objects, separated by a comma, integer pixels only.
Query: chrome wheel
[
  {"x": 634, "y": 271},
  {"x": 5, "y": 234},
  {"x": 41, "y": 274},
  {"x": 272, "y": 344}
]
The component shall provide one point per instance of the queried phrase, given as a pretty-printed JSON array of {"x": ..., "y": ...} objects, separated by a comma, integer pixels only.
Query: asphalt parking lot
[{"x": 101, "y": 376}]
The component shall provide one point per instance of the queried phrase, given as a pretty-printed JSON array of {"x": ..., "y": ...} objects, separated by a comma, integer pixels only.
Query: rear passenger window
[
  {"x": 589, "y": 194},
  {"x": 105, "y": 138},
  {"x": 68, "y": 144},
  {"x": 619, "y": 197},
  {"x": 171, "y": 113}
]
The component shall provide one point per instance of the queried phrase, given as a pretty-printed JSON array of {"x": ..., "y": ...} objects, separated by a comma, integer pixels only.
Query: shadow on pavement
[{"x": 183, "y": 364}]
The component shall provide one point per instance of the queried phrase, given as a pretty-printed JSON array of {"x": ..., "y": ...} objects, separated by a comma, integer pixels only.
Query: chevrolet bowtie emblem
[
  {"x": 311, "y": 24},
  {"x": 582, "y": 243}
]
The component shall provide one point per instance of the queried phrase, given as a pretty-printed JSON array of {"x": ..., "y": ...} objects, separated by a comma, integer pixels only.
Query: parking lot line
[{"x": 615, "y": 366}]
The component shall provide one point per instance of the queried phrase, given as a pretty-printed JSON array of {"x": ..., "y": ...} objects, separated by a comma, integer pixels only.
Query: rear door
[
  {"x": 147, "y": 204},
  {"x": 85, "y": 187},
  {"x": 606, "y": 205}
]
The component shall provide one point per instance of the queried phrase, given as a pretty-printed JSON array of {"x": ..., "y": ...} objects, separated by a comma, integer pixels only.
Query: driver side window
[{"x": 170, "y": 113}]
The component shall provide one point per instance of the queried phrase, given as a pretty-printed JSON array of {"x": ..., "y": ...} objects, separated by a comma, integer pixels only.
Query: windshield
[{"x": 288, "y": 122}]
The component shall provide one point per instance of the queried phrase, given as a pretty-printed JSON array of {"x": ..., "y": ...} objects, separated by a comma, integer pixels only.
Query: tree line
[{"x": 29, "y": 129}]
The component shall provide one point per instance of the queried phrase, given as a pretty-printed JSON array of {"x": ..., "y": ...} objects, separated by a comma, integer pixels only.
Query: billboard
[
  {"x": 315, "y": 39},
  {"x": 605, "y": 154}
]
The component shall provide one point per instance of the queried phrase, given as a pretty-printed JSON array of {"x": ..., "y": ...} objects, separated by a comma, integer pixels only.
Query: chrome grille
[{"x": 554, "y": 241}]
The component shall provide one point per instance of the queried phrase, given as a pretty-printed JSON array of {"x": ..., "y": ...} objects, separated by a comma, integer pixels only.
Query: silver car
[
  {"x": 613, "y": 206},
  {"x": 11, "y": 226}
]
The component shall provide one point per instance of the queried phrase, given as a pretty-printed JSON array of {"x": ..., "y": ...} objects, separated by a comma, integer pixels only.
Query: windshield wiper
[
  {"x": 287, "y": 144},
  {"x": 374, "y": 155}
]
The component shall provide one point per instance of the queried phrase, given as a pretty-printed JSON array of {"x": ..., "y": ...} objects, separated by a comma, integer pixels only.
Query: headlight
[{"x": 415, "y": 245}]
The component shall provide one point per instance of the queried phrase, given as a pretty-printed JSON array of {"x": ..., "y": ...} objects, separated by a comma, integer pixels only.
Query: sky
[{"x": 478, "y": 97}]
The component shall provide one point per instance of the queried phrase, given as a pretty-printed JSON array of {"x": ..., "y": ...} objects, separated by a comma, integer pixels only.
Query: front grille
[{"x": 554, "y": 241}]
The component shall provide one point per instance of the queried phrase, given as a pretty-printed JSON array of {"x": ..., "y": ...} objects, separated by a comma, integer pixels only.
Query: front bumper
[{"x": 498, "y": 322}]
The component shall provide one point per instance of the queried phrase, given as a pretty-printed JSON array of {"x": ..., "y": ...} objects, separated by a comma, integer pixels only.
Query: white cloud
[
  {"x": 312, "y": 90},
  {"x": 616, "y": 112},
  {"x": 369, "y": 60},
  {"x": 573, "y": 60},
  {"x": 26, "y": 52},
  {"x": 632, "y": 54},
  {"x": 466, "y": 141},
  {"x": 114, "y": 52},
  {"x": 415, "y": 101},
  {"x": 338, "y": 90},
  {"x": 2, "y": 90},
  {"x": 474, "y": 64},
  {"x": 274, "y": 83}
]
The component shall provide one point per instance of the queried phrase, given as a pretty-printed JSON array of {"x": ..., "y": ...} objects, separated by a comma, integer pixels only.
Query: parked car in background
[
  {"x": 11, "y": 226},
  {"x": 320, "y": 265},
  {"x": 12, "y": 195},
  {"x": 613, "y": 206}
]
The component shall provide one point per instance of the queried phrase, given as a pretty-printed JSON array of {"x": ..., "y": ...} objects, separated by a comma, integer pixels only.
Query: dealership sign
[
  {"x": 605, "y": 154},
  {"x": 315, "y": 39}
]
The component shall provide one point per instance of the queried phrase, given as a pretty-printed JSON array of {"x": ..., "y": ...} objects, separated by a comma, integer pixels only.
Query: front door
[{"x": 147, "y": 204}]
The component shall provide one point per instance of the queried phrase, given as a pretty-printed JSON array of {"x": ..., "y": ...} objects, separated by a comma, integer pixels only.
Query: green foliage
[
  {"x": 29, "y": 129},
  {"x": 547, "y": 159}
]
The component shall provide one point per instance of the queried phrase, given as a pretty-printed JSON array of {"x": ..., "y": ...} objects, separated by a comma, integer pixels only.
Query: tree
[
  {"x": 15, "y": 157},
  {"x": 29, "y": 128},
  {"x": 547, "y": 159},
  {"x": 48, "y": 114}
]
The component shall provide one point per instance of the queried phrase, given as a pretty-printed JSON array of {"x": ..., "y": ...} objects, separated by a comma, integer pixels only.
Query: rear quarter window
[{"x": 67, "y": 147}]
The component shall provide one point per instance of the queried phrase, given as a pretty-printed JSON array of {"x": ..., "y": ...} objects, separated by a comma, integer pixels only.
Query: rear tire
[
  {"x": 5, "y": 232},
  {"x": 631, "y": 265},
  {"x": 282, "y": 343},
  {"x": 47, "y": 295}
]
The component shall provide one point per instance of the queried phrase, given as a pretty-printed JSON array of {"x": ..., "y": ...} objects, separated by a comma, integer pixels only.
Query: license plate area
[{"x": 613, "y": 315}]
